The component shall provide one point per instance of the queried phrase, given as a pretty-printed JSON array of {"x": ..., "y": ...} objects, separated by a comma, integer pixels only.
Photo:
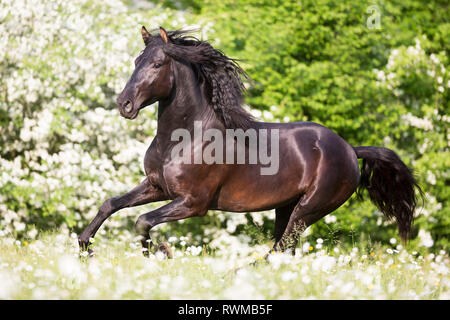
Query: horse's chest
[
  {"x": 159, "y": 172},
  {"x": 150, "y": 161},
  {"x": 153, "y": 165}
]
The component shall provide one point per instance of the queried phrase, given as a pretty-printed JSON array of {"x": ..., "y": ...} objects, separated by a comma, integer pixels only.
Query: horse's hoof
[
  {"x": 89, "y": 253},
  {"x": 165, "y": 249},
  {"x": 145, "y": 253}
]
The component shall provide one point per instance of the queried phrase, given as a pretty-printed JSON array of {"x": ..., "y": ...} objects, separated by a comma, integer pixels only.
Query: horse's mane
[{"x": 221, "y": 75}]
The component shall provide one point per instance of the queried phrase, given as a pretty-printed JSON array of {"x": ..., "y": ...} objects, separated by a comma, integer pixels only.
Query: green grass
[{"x": 50, "y": 268}]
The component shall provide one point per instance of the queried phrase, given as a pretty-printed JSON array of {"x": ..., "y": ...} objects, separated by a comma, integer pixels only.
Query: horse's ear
[
  {"x": 164, "y": 35},
  {"x": 145, "y": 35}
]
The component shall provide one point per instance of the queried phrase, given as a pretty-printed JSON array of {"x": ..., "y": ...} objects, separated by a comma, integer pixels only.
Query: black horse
[{"x": 317, "y": 170}]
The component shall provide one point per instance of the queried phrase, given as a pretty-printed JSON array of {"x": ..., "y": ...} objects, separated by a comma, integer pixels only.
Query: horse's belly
[
  {"x": 257, "y": 193},
  {"x": 253, "y": 201}
]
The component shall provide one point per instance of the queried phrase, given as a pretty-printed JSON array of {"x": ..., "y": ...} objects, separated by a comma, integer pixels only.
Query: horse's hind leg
[
  {"x": 178, "y": 209},
  {"x": 282, "y": 216},
  {"x": 142, "y": 194},
  {"x": 313, "y": 206}
]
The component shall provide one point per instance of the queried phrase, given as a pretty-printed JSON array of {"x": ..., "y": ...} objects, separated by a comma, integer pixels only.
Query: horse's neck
[{"x": 186, "y": 105}]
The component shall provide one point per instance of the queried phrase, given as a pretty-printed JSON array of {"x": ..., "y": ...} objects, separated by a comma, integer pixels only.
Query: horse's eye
[{"x": 157, "y": 65}]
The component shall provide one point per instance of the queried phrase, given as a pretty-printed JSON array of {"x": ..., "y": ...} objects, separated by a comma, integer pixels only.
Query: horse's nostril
[{"x": 127, "y": 106}]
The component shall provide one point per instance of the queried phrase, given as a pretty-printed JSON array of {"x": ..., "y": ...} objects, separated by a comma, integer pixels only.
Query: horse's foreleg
[
  {"x": 178, "y": 209},
  {"x": 142, "y": 194}
]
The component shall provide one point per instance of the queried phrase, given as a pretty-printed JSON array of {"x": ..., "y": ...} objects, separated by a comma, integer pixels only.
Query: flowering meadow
[
  {"x": 64, "y": 149},
  {"x": 50, "y": 268}
]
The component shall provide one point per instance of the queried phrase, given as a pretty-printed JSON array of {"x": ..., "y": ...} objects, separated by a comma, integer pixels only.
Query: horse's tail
[{"x": 391, "y": 185}]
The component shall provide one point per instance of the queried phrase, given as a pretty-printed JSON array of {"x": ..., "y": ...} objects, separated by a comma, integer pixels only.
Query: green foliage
[{"x": 319, "y": 61}]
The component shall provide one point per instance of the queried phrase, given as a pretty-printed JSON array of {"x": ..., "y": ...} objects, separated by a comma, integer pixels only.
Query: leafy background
[{"x": 64, "y": 149}]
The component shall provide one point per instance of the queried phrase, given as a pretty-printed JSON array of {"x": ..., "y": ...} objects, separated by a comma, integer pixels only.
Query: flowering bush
[
  {"x": 64, "y": 148},
  {"x": 418, "y": 83}
]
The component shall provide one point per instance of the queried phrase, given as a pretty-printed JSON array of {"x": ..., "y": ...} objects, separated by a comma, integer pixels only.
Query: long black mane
[{"x": 221, "y": 75}]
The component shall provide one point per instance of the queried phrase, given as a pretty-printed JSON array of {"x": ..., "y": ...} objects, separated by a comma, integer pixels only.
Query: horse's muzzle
[{"x": 126, "y": 108}]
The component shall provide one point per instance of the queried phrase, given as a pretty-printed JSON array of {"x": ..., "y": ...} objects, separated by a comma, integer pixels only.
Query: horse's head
[{"x": 152, "y": 79}]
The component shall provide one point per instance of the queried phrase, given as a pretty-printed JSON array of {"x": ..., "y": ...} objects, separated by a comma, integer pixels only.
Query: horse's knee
[{"x": 195, "y": 207}]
